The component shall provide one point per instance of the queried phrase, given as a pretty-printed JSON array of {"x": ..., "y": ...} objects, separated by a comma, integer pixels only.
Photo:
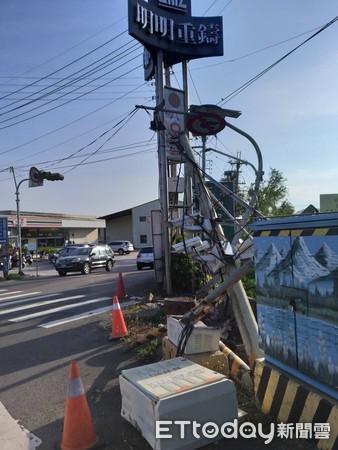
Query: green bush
[
  {"x": 47, "y": 250},
  {"x": 187, "y": 276},
  {"x": 249, "y": 284}
]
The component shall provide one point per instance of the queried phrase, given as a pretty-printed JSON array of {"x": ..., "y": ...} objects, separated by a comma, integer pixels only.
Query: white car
[
  {"x": 145, "y": 258},
  {"x": 121, "y": 247}
]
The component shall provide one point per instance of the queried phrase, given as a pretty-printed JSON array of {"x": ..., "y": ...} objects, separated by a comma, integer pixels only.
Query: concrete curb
[{"x": 13, "y": 436}]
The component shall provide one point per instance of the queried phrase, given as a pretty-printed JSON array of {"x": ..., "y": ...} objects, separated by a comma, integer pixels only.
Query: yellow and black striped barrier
[
  {"x": 289, "y": 401},
  {"x": 297, "y": 232}
]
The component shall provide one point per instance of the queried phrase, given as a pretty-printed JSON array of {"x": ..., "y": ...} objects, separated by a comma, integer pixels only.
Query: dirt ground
[{"x": 115, "y": 433}]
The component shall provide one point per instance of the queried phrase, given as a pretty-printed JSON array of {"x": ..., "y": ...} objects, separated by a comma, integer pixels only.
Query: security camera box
[{"x": 157, "y": 395}]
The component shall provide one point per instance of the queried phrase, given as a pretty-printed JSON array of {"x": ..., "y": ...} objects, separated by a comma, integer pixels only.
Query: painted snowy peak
[
  {"x": 297, "y": 268},
  {"x": 326, "y": 257}
]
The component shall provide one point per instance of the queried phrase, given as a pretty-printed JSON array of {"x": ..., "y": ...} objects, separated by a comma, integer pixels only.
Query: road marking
[
  {"x": 84, "y": 315},
  {"x": 6, "y": 292},
  {"x": 33, "y": 305},
  {"x": 21, "y": 295},
  {"x": 61, "y": 308},
  {"x": 94, "y": 312},
  {"x": 17, "y": 302}
]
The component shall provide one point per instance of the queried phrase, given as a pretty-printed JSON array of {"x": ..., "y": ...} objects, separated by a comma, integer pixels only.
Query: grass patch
[
  {"x": 139, "y": 327},
  {"x": 11, "y": 276}
]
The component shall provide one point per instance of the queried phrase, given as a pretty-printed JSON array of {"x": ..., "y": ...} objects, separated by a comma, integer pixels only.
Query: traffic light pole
[
  {"x": 39, "y": 175},
  {"x": 18, "y": 226}
]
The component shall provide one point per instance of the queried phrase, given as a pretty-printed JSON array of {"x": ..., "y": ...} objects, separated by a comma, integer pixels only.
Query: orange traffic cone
[
  {"x": 118, "y": 327},
  {"x": 78, "y": 429},
  {"x": 120, "y": 292}
]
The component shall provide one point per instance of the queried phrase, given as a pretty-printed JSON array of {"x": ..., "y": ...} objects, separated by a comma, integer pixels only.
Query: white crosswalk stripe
[
  {"x": 17, "y": 296},
  {"x": 12, "y": 302},
  {"x": 84, "y": 315},
  {"x": 94, "y": 312},
  {"x": 60, "y": 308},
  {"x": 17, "y": 302},
  {"x": 34, "y": 305}
]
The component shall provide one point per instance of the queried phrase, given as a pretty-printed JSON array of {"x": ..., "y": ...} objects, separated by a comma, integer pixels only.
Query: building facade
[
  {"x": 132, "y": 224},
  {"x": 40, "y": 230}
]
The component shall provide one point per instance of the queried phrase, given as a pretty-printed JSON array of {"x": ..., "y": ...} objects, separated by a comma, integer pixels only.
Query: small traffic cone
[
  {"x": 120, "y": 291},
  {"x": 78, "y": 429},
  {"x": 118, "y": 327}
]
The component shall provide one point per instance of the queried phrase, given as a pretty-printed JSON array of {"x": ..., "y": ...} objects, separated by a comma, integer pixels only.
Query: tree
[{"x": 272, "y": 197}]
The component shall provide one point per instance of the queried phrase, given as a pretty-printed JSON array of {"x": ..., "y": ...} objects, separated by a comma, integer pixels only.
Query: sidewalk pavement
[{"x": 38, "y": 268}]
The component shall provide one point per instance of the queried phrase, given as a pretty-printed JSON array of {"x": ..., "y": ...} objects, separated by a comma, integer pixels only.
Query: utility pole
[
  {"x": 163, "y": 177},
  {"x": 204, "y": 141}
]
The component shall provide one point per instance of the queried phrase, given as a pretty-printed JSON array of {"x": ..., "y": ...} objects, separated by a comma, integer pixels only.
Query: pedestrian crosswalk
[{"x": 18, "y": 306}]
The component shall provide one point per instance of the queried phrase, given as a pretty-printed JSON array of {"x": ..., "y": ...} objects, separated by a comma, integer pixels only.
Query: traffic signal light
[{"x": 41, "y": 175}]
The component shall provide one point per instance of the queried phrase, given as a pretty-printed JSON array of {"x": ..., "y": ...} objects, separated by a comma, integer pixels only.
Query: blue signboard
[{"x": 3, "y": 230}]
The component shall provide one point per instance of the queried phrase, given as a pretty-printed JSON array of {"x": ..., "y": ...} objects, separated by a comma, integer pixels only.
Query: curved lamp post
[{"x": 18, "y": 226}]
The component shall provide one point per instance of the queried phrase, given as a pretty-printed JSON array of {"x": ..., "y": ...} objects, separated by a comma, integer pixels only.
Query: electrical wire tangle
[{"x": 209, "y": 246}]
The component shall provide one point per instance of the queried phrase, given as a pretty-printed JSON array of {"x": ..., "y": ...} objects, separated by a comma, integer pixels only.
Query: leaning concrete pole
[
  {"x": 163, "y": 178},
  {"x": 240, "y": 303}
]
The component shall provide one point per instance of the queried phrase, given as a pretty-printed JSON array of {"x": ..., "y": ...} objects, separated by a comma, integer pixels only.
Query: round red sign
[{"x": 205, "y": 124}]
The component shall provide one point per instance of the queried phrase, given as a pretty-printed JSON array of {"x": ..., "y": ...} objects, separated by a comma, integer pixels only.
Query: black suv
[
  {"x": 65, "y": 251},
  {"x": 85, "y": 259}
]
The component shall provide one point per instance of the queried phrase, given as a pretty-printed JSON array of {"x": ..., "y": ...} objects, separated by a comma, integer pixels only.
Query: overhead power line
[
  {"x": 69, "y": 64},
  {"x": 252, "y": 80},
  {"x": 67, "y": 125},
  {"x": 69, "y": 80},
  {"x": 66, "y": 51},
  {"x": 69, "y": 101}
]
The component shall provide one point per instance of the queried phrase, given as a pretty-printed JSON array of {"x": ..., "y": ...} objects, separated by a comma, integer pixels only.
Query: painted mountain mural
[
  {"x": 266, "y": 263},
  {"x": 297, "y": 303},
  {"x": 296, "y": 267},
  {"x": 326, "y": 257}
]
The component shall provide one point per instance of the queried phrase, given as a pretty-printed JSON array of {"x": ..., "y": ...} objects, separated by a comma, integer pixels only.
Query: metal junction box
[
  {"x": 176, "y": 390},
  {"x": 296, "y": 269}
]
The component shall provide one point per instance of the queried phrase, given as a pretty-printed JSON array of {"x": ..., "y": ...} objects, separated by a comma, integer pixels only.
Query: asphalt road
[{"x": 41, "y": 333}]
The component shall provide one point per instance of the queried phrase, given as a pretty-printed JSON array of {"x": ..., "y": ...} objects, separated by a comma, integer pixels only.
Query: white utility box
[
  {"x": 176, "y": 390},
  {"x": 202, "y": 339}
]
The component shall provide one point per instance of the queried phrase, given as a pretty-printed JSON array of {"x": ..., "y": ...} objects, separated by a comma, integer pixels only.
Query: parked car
[
  {"x": 121, "y": 247},
  {"x": 85, "y": 259},
  {"x": 145, "y": 258}
]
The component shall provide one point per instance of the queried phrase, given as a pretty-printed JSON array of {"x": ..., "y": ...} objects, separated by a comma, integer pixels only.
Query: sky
[{"x": 71, "y": 78}]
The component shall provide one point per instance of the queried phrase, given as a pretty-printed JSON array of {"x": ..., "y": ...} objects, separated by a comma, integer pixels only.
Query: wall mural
[{"x": 297, "y": 297}]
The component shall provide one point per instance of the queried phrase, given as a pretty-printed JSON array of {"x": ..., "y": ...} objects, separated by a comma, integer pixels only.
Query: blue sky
[{"x": 107, "y": 153}]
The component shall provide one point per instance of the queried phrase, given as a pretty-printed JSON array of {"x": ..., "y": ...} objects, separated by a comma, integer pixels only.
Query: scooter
[
  {"x": 15, "y": 262},
  {"x": 28, "y": 259}
]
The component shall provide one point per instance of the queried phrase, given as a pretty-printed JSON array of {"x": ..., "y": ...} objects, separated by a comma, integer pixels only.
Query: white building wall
[{"x": 141, "y": 227}]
